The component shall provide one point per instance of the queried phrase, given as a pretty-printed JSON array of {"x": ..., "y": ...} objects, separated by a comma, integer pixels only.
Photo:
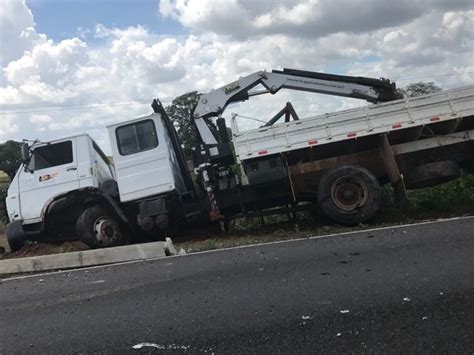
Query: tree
[
  {"x": 180, "y": 112},
  {"x": 420, "y": 88},
  {"x": 10, "y": 157}
]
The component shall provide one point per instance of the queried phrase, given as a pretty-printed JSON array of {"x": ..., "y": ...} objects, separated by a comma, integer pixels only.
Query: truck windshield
[
  {"x": 51, "y": 155},
  {"x": 136, "y": 137}
]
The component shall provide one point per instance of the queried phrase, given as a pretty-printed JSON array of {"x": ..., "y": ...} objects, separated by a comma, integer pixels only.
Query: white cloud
[
  {"x": 8, "y": 128},
  {"x": 394, "y": 39},
  {"x": 299, "y": 18},
  {"x": 17, "y": 32},
  {"x": 41, "y": 121}
]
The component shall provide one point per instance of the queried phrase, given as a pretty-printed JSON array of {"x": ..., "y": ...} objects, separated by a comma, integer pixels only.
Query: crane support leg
[
  {"x": 288, "y": 111},
  {"x": 396, "y": 179}
]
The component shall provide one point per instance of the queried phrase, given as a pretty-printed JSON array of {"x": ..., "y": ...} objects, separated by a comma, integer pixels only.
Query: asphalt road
[{"x": 402, "y": 289}]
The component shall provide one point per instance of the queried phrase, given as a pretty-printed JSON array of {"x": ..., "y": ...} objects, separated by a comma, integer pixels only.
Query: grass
[{"x": 455, "y": 198}]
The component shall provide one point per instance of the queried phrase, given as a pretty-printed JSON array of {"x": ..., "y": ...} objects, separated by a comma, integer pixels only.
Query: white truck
[
  {"x": 336, "y": 162},
  {"x": 44, "y": 193}
]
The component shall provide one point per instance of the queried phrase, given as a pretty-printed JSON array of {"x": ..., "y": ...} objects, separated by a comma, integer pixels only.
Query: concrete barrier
[{"x": 84, "y": 258}]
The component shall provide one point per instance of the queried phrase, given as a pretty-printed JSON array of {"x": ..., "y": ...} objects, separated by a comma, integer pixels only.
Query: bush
[
  {"x": 453, "y": 198},
  {"x": 3, "y": 207}
]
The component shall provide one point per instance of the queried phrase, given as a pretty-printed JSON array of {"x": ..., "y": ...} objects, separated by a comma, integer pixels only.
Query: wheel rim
[
  {"x": 107, "y": 231},
  {"x": 349, "y": 193}
]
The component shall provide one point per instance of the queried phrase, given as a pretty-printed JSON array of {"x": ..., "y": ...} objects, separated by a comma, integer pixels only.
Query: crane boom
[{"x": 214, "y": 103}]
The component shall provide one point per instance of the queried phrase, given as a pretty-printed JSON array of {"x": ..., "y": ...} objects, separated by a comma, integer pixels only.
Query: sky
[{"x": 75, "y": 66}]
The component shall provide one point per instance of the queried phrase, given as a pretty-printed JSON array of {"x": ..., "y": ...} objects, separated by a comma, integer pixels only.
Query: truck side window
[
  {"x": 136, "y": 137},
  {"x": 51, "y": 155}
]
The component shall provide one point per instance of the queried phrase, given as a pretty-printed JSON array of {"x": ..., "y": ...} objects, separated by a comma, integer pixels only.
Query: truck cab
[
  {"x": 150, "y": 178},
  {"x": 53, "y": 170}
]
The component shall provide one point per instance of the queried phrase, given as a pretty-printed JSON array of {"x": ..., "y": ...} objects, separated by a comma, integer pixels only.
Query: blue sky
[{"x": 60, "y": 19}]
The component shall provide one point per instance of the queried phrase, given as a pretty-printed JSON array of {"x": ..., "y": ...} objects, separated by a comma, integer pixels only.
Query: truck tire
[
  {"x": 432, "y": 174},
  {"x": 349, "y": 195},
  {"x": 98, "y": 229},
  {"x": 15, "y": 235}
]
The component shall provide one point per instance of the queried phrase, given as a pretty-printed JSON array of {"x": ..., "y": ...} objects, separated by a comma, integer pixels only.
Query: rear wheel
[
  {"x": 98, "y": 229},
  {"x": 349, "y": 195}
]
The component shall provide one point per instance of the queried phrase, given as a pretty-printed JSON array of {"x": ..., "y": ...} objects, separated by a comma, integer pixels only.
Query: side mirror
[{"x": 25, "y": 153}]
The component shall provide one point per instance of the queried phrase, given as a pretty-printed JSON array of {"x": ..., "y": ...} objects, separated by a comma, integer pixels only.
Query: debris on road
[
  {"x": 149, "y": 345},
  {"x": 37, "y": 249},
  {"x": 161, "y": 347}
]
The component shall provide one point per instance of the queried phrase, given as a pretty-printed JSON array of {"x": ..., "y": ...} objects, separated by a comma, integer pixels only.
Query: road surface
[{"x": 401, "y": 289}]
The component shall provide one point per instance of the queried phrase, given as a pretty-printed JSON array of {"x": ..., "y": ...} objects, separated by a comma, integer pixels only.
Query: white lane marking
[
  {"x": 406, "y": 299},
  {"x": 345, "y": 234},
  {"x": 97, "y": 282},
  {"x": 305, "y": 317},
  {"x": 344, "y": 311}
]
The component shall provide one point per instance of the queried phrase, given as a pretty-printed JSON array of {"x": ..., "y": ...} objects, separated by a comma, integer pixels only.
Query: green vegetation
[
  {"x": 3, "y": 208},
  {"x": 180, "y": 112},
  {"x": 10, "y": 157},
  {"x": 419, "y": 89},
  {"x": 455, "y": 198}
]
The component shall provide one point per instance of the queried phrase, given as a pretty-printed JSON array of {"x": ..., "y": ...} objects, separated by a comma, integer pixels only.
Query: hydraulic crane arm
[{"x": 215, "y": 102}]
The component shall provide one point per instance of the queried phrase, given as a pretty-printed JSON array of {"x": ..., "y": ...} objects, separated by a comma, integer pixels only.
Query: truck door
[
  {"x": 52, "y": 170},
  {"x": 142, "y": 165}
]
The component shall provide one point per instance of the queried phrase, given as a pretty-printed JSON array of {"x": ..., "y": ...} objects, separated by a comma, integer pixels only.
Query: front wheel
[
  {"x": 98, "y": 229},
  {"x": 349, "y": 195}
]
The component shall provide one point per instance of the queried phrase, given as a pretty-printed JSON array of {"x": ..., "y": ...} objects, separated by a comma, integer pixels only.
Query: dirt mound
[{"x": 36, "y": 249}]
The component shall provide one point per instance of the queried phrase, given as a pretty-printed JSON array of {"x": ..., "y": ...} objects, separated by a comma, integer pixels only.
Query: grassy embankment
[
  {"x": 455, "y": 198},
  {"x": 452, "y": 199}
]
